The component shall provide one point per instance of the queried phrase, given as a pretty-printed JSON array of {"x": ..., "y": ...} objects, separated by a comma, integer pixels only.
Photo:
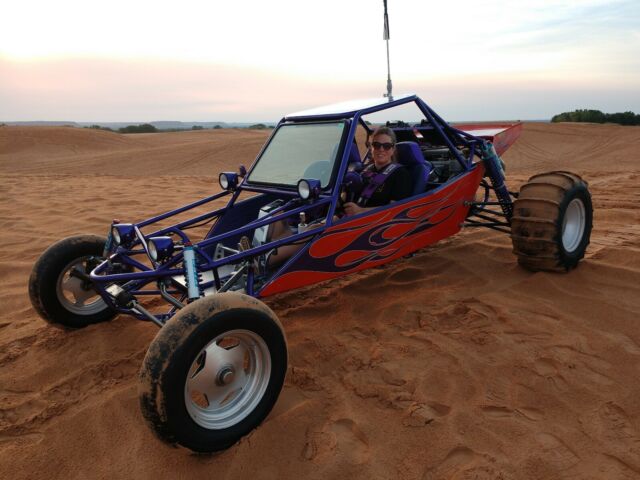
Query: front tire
[
  {"x": 214, "y": 372},
  {"x": 61, "y": 298},
  {"x": 552, "y": 221}
]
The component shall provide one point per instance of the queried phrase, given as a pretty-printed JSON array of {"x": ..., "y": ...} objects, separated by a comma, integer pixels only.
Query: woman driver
[{"x": 397, "y": 185}]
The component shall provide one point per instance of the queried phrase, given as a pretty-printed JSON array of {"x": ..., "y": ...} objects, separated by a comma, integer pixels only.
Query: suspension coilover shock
[
  {"x": 191, "y": 273},
  {"x": 495, "y": 172}
]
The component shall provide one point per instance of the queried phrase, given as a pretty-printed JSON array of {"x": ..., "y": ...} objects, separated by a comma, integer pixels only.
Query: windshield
[{"x": 299, "y": 151}]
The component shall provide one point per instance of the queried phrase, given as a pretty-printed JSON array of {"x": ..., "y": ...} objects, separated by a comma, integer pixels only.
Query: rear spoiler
[{"x": 502, "y": 135}]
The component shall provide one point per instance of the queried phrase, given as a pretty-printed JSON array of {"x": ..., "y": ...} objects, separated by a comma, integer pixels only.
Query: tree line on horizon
[{"x": 596, "y": 116}]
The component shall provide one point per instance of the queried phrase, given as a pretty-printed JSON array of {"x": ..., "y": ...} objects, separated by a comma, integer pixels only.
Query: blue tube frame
[{"x": 135, "y": 282}]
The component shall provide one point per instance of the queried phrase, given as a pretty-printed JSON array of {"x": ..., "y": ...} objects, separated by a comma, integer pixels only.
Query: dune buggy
[{"x": 218, "y": 363}]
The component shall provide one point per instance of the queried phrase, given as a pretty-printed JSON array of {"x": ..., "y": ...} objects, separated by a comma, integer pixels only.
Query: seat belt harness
[{"x": 374, "y": 181}]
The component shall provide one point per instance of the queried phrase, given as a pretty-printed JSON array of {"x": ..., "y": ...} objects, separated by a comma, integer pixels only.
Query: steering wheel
[{"x": 350, "y": 189}]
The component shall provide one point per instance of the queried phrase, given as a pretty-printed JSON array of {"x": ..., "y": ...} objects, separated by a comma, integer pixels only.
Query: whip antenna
[{"x": 389, "y": 93}]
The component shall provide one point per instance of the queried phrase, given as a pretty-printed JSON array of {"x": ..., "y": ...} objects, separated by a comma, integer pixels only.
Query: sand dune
[
  {"x": 37, "y": 150},
  {"x": 455, "y": 363}
]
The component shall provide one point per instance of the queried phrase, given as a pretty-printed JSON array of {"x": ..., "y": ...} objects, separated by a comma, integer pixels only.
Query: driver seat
[{"x": 410, "y": 156}]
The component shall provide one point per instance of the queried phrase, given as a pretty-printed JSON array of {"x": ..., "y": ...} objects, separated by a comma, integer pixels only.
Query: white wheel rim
[
  {"x": 573, "y": 225},
  {"x": 72, "y": 294},
  {"x": 227, "y": 379}
]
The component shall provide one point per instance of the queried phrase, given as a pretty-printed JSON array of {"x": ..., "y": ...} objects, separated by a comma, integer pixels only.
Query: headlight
[
  {"x": 228, "y": 180},
  {"x": 308, "y": 188},
  {"x": 153, "y": 251},
  {"x": 115, "y": 235},
  {"x": 160, "y": 248},
  {"x": 123, "y": 233}
]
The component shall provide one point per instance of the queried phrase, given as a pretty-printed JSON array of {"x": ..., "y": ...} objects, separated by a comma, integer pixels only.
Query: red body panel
[
  {"x": 381, "y": 236},
  {"x": 502, "y": 135}
]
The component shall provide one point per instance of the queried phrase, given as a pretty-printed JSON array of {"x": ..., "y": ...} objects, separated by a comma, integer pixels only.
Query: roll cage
[{"x": 129, "y": 270}]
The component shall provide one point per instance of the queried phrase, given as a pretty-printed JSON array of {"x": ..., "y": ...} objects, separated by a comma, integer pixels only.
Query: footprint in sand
[
  {"x": 440, "y": 408},
  {"x": 612, "y": 427},
  {"x": 455, "y": 461},
  {"x": 304, "y": 379},
  {"x": 496, "y": 411},
  {"x": 529, "y": 413},
  {"x": 625, "y": 342},
  {"x": 555, "y": 453},
  {"x": 319, "y": 446},
  {"x": 340, "y": 438},
  {"x": 546, "y": 367},
  {"x": 351, "y": 440},
  {"x": 420, "y": 414}
]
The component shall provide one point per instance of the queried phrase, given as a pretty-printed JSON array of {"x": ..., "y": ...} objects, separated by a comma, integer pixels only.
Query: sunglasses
[{"x": 386, "y": 146}]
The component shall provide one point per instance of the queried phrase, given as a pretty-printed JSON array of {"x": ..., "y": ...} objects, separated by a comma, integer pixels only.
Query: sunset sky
[{"x": 255, "y": 61}]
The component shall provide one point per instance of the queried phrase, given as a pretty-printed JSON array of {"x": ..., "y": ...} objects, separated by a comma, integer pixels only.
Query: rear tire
[
  {"x": 552, "y": 221},
  {"x": 214, "y": 372}
]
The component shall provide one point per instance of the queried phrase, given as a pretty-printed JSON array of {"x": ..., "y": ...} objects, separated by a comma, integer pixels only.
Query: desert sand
[{"x": 453, "y": 364}]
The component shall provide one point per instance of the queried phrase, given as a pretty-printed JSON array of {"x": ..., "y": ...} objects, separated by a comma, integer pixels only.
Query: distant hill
[
  {"x": 160, "y": 125},
  {"x": 61, "y": 150},
  {"x": 38, "y": 123}
]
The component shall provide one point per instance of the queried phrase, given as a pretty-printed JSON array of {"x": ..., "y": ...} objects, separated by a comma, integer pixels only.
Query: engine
[{"x": 444, "y": 164}]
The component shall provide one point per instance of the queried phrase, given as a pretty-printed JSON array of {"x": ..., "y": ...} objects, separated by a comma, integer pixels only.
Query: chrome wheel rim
[
  {"x": 72, "y": 293},
  {"x": 227, "y": 379},
  {"x": 573, "y": 225}
]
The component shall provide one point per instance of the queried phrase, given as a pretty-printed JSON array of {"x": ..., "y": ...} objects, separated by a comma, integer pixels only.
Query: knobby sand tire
[
  {"x": 165, "y": 368},
  {"x": 538, "y": 218}
]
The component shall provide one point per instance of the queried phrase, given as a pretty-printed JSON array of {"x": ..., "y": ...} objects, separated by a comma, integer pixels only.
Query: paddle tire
[
  {"x": 61, "y": 298},
  {"x": 214, "y": 372},
  {"x": 551, "y": 223}
]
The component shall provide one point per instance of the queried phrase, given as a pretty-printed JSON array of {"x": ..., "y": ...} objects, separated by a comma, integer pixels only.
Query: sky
[{"x": 257, "y": 61}]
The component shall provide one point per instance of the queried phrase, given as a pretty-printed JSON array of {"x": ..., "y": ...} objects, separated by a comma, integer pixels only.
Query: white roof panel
[{"x": 346, "y": 107}]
